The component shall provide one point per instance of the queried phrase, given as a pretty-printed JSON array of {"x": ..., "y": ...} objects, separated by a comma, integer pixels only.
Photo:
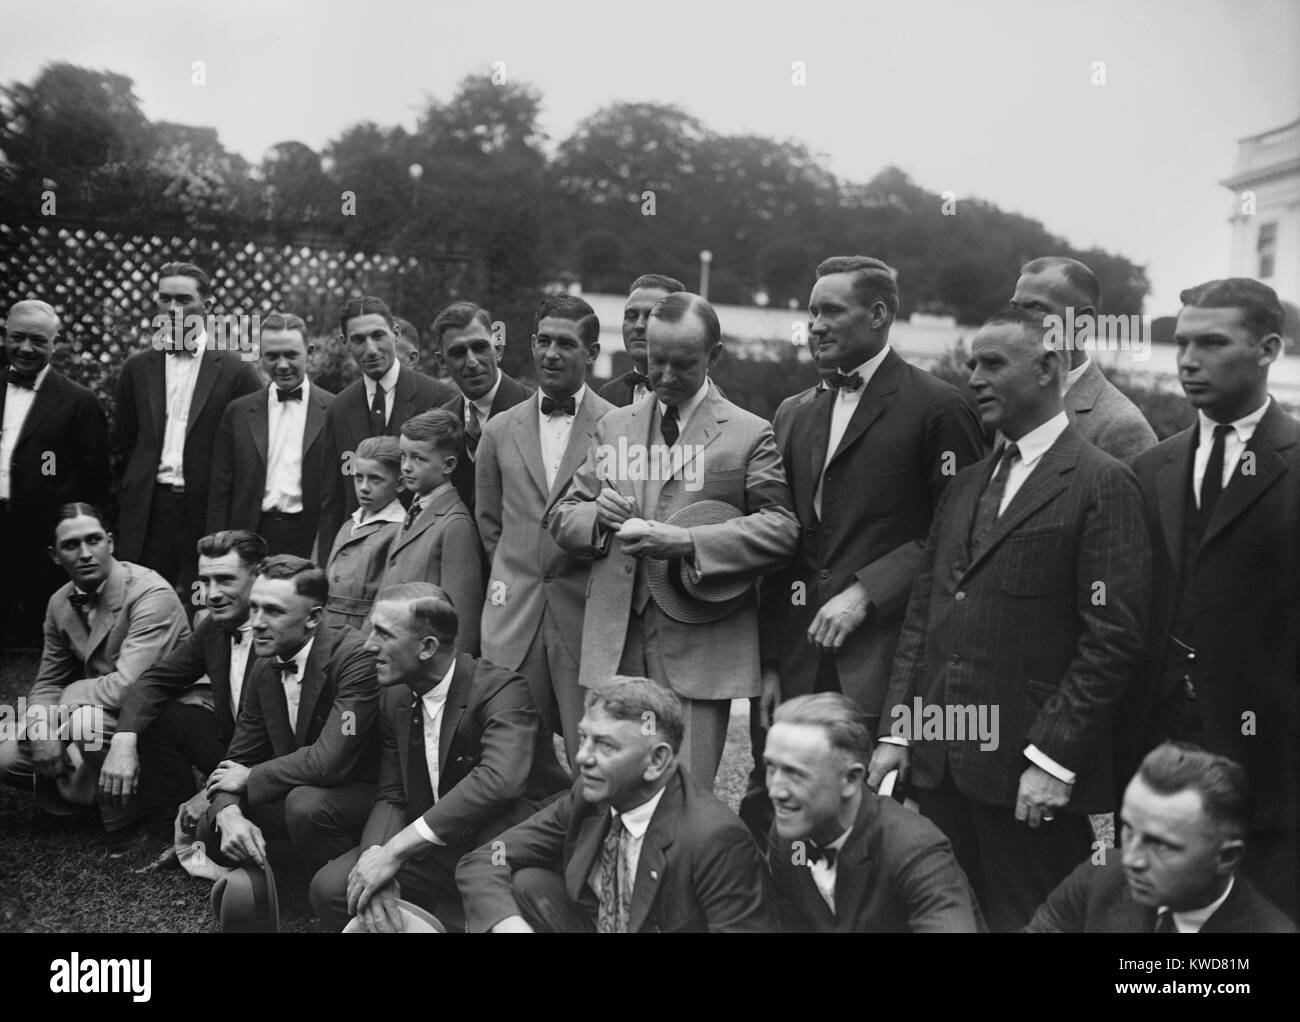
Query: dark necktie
[
  {"x": 419, "y": 790},
  {"x": 669, "y": 427},
  {"x": 296, "y": 394},
  {"x": 22, "y": 381},
  {"x": 1212, "y": 481},
  {"x": 611, "y": 916},
  {"x": 285, "y": 667},
  {"x": 377, "y": 420},
  {"x": 236, "y": 637},
  {"x": 1165, "y": 922},
  {"x": 848, "y": 381},
  {"x": 568, "y": 406},
  {"x": 991, "y": 499},
  {"x": 412, "y": 513},
  {"x": 473, "y": 430},
  {"x": 635, "y": 379}
]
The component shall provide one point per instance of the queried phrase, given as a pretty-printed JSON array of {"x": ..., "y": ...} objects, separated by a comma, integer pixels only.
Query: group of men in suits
[{"x": 862, "y": 571}]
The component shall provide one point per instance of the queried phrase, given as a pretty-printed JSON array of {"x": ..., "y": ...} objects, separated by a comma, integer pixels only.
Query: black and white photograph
[{"x": 717, "y": 467}]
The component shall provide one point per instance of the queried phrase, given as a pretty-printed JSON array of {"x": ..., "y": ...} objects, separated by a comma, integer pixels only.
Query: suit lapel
[
  {"x": 586, "y": 849},
  {"x": 529, "y": 441},
  {"x": 1173, "y": 483},
  {"x": 258, "y": 416},
  {"x": 701, "y": 431},
  {"x": 216, "y": 647},
  {"x": 1083, "y": 395},
  {"x": 313, "y": 682},
  {"x": 403, "y": 400},
  {"x": 425, "y": 522},
  {"x": 1244, "y": 489},
  {"x": 462, "y": 680},
  {"x": 209, "y": 370},
  {"x": 155, "y": 385},
  {"x": 641, "y": 430},
  {"x": 575, "y": 452},
  {"x": 402, "y": 729},
  {"x": 315, "y": 423},
  {"x": 853, "y": 870},
  {"x": 107, "y": 608},
  {"x": 819, "y": 425},
  {"x": 658, "y": 838},
  {"x": 358, "y": 412},
  {"x": 875, "y": 399},
  {"x": 49, "y": 397}
]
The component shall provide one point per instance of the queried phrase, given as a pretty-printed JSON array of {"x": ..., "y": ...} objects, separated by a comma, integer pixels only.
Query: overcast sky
[{"x": 993, "y": 99}]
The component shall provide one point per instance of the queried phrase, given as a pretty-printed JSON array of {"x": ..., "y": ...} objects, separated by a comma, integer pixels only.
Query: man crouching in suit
[
  {"x": 456, "y": 737},
  {"x": 1185, "y": 828},
  {"x": 637, "y": 846},
  {"x": 301, "y": 765},
  {"x": 843, "y": 859}
]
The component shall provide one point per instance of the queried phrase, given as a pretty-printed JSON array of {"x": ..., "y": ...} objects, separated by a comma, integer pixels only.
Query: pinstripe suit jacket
[{"x": 1047, "y": 623}]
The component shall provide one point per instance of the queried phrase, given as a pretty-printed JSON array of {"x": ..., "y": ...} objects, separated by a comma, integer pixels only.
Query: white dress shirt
[
  {"x": 823, "y": 875},
  {"x": 239, "y": 654},
  {"x": 1032, "y": 446},
  {"x": 391, "y": 512},
  {"x": 1233, "y": 444},
  {"x": 18, "y": 402},
  {"x": 844, "y": 404},
  {"x": 432, "y": 705},
  {"x": 286, "y": 424},
  {"x": 482, "y": 408},
  {"x": 1072, "y": 377},
  {"x": 293, "y": 682},
  {"x": 1191, "y": 922},
  {"x": 687, "y": 408},
  {"x": 182, "y": 374},
  {"x": 635, "y": 823},
  {"x": 554, "y": 432},
  {"x": 387, "y": 382}
]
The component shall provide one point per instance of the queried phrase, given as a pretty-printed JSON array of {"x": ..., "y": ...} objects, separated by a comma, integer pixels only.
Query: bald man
[{"x": 53, "y": 450}]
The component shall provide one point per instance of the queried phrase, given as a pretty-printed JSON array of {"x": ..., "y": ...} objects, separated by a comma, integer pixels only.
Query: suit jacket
[
  {"x": 1247, "y": 605},
  {"x": 333, "y": 742},
  {"x": 204, "y": 653},
  {"x": 240, "y": 460},
  {"x": 61, "y": 454},
  {"x": 1105, "y": 417},
  {"x": 895, "y": 874},
  {"x": 733, "y": 458},
  {"x": 487, "y": 775},
  {"x": 510, "y": 393},
  {"x": 142, "y": 420},
  {"x": 442, "y": 547},
  {"x": 905, "y": 442},
  {"x": 530, "y": 571},
  {"x": 1096, "y": 899},
  {"x": 1046, "y": 622},
  {"x": 138, "y": 619},
  {"x": 785, "y": 411},
  {"x": 699, "y": 870},
  {"x": 347, "y": 423},
  {"x": 355, "y": 568}
]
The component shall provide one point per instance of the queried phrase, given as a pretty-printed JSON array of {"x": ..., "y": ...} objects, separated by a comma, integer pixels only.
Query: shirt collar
[
  {"x": 687, "y": 408},
  {"x": 437, "y": 695},
  {"x": 1244, "y": 427},
  {"x": 1072, "y": 377},
  {"x": 577, "y": 398},
  {"x": 484, "y": 404},
  {"x": 1195, "y": 919},
  {"x": 40, "y": 377},
  {"x": 388, "y": 381},
  {"x": 200, "y": 345},
  {"x": 390, "y": 512},
  {"x": 867, "y": 370},
  {"x": 425, "y": 499},
  {"x": 300, "y": 658},
  {"x": 637, "y": 820},
  {"x": 270, "y": 391},
  {"x": 1034, "y": 444}
]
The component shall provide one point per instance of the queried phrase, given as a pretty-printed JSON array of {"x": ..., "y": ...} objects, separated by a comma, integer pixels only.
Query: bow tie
[
  {"x": 236, "y": 637},
  {"x": 285, "y": 666},
  {"x": 22, "y": 381},
  {"x": 180, "y": 349},
  {"x": 818, "y": 853},
  {"x": 289, "y": 395},
  {"x": 849, "y": 381},
  {"x": 636, "y": 379},
  {"x": 82, "y": 600},
  {"x": 568, "y": 406}
]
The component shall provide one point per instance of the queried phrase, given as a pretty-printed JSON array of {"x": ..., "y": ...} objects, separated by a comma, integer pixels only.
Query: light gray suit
[
  {"x": 536, "y": 592},
  {"x": 1105, "y": 417},
  {"x": 737, "y": 461}
]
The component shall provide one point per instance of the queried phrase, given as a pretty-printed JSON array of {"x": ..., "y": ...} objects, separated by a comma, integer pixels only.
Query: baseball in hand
[{"x": 633, "y": 529}]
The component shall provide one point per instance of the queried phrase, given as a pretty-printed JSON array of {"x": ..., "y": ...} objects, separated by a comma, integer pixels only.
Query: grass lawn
[{"x": 56, "y": 875}]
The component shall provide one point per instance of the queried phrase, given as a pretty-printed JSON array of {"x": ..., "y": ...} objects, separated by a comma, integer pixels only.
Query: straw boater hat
[
  {"x": 414, "y": 920},
  {"x": 670, "y": 581},
  {"x": 244, "y": 900}
]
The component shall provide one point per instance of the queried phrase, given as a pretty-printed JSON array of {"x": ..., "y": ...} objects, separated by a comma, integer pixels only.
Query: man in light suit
[
  {"x": 53, "y": 450},
  {"x": 301, "y": 765},
  {"x": 170, "y": 400},
  {"x": 536, "y": 594},
  {"x": 1032, "y": 604},
  {"x": 693, "y": 445},
  {"x": 386, "y": 395},
  {"x": 455, "y": 779},
  {"x": 102, "y": 630},
  {"x": 180, "y": 715},
  {"x": 468, "y": 349},
  {"x": 637, "y": 846},
  {"x": 644, "y": 294},
  {"x": 867, "y": 461},
  {"x": 1223, "y": 505},
  {"x": 267, "y": 464},
  {"x": 843, "y": 859},
  {"x": 1185, "y": 816},
  {"x": 1055, "y": 286}
]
